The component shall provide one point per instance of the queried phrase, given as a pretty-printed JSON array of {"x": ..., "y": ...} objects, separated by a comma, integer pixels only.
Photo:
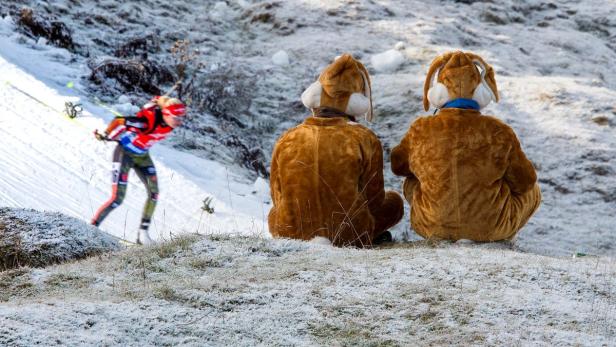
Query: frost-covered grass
[
  {"x": 38, "y": 239},
  {"x": 245, "y": 291},
  {"x": 554, "y": 71}
]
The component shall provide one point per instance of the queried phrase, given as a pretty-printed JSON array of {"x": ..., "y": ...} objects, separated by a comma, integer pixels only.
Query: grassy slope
[{"x": 248, "y": 291}]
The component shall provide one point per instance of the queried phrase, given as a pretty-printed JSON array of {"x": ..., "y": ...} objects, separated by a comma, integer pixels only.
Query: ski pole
[
  {"x": 97, "y": 101},
  {"x": 75, "y": 109}
]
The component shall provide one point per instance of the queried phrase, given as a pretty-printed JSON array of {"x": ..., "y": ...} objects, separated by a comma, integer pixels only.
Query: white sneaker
[{"x": 143, "y": 238}]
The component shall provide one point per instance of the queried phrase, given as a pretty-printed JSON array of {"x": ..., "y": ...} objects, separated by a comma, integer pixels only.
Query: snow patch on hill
[{"x": 38, "y": 239}]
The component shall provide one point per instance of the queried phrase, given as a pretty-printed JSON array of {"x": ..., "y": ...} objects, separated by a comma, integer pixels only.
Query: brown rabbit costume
[
  {"x": 466, "y": 174},
  {"x": 327, "y": 173}
]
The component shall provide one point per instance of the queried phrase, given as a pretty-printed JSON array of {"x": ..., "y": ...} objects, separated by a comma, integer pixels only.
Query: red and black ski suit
[{"x": 135, "y": 135}]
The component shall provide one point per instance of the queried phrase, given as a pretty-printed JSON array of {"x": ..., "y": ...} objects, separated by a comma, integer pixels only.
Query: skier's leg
[
  {"x": 147, "y": 174},
  {"x": 119, "y": 178}
]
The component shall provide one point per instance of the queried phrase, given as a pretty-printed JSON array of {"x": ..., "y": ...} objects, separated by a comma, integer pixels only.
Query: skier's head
[
  {"x": 459, "y": 75},
  {"x": 173, "y": 110},
  {"x": 345, "y": 86}
]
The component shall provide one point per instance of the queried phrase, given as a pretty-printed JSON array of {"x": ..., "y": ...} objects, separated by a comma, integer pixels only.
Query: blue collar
[{"x": 467, "y": 104}]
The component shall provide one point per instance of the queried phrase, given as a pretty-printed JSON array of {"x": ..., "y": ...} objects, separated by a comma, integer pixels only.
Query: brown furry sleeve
[
  {"x": 520, "y": 174},
  {"x": 275, "y": 189},
  {"x": 371, "y": 181},
  {"x": 400, "y": 157}
]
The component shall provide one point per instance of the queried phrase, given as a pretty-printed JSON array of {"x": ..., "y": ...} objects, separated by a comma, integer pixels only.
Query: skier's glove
[{"x": 99, "y": 136}]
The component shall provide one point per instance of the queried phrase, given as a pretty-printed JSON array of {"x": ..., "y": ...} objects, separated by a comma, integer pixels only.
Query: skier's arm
[
  {"x": 520, "y": 175},
  {"x": 115, "y": 128},
  {"x": 119, "y": 124}
]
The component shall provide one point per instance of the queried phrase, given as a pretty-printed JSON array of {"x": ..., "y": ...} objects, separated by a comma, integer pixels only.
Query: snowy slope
[
  {"x": 553, "y": 64},
  {"x": 38, "y": 239},
  {"x": 553, "y": 61},
  {"x": 260, "y": 292},
  {"x": 554, "y": 70},
  {"x": 50, "y": 162}
]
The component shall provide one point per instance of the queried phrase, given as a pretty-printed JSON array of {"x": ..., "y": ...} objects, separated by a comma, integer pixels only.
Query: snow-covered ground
[
  {"x": 244, "y": 291},
  {"x": 553, "y": 64},
  {"x": 38, "y": 239}
]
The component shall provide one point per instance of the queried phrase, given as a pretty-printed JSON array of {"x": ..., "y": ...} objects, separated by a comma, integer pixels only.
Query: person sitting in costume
[
  {"x": 327, "y": 173},
  {"x": 466, "y": 174}
]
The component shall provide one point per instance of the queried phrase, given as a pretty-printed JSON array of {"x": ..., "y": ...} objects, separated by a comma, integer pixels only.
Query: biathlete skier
[{"x": 135, "y": 135}]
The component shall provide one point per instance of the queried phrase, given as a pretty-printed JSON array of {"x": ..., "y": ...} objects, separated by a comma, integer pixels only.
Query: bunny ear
[
  {"x": 487, "y": 75},
  {"x": 367, "y": 89},
  {"x": 436, "y": 65}
]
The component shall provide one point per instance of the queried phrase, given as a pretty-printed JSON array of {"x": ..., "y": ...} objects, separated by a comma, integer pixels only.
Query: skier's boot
[{"x": 143, "y": 238}]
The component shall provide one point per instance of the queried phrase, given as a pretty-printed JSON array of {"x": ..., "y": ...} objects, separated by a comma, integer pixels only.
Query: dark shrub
[
  {"x": 54, "y": 31},
  {"x": 132, "y": 75}
]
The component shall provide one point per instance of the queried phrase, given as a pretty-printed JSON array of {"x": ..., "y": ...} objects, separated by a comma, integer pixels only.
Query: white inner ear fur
[
  {"x": 311, "y": 97},
  {"x": 368, "y": 95},
  {"x": 483, "y": 93},
  {"x": 358, "y": 105},
  {"x": 438, "y": 95}
]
